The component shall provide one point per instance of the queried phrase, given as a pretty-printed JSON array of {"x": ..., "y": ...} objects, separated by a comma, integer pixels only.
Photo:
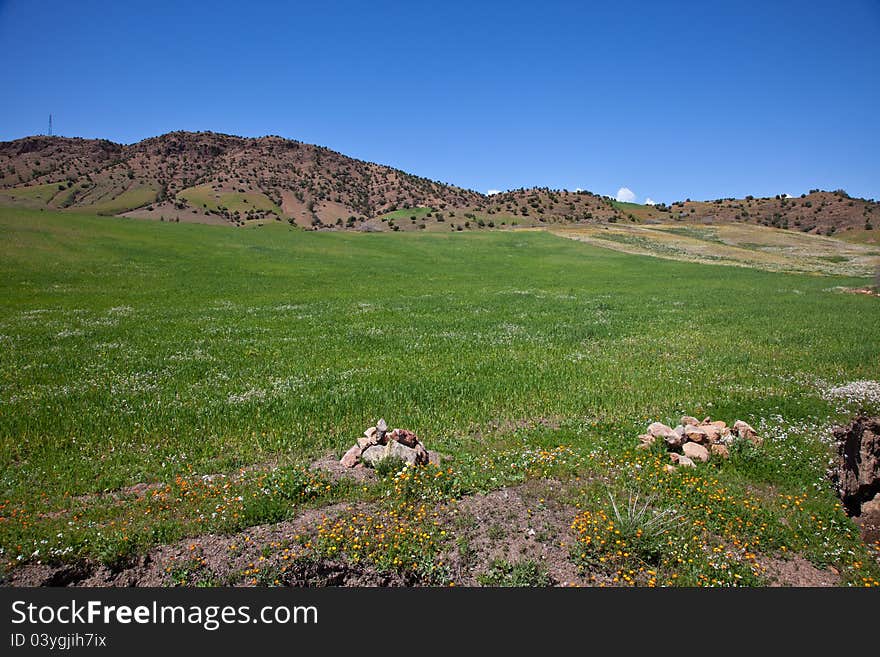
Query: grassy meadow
[
  {"x": 135, "y": 352},
  {"x": 205, "y": 196}
]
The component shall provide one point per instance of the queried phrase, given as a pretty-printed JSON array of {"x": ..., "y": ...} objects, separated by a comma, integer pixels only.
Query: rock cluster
[
  {"x": 379, "y": 443},
  {"x": 694, "y": 441}
]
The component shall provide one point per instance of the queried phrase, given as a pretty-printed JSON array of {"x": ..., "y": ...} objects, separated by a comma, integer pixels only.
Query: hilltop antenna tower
[{"x": 50, "y": 125}]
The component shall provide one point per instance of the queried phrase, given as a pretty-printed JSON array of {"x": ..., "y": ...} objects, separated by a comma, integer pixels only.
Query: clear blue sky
[{"x": 670, "y": 99}]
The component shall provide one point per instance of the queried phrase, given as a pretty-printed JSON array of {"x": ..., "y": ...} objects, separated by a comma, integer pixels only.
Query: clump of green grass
[
  {"x": 525, "y": 573},
  {"x": 643, "y": 526}
]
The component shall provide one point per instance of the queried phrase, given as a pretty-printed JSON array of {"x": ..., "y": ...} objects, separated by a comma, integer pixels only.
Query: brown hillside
[
  {"x": 215, "y": 178},
  {"x": 818, "y": 212},
  {"x": 204, "y": 176}
]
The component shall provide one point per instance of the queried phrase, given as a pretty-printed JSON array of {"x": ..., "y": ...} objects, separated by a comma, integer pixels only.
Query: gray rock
[
  {"x": 408, "y": 454},
  {"x": 372, "y": 455}
]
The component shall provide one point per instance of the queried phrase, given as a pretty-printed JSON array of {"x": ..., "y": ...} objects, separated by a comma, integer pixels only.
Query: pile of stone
[
  {"x": 694, "y": 441},
  {"x": 379, "y": 443}
]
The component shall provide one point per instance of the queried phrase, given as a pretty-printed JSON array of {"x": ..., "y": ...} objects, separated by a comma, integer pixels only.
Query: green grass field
[
  {"x": 34, "y": 194},
  {"x": 139, "y": 352},
  {"x": 638, "y": 210},
  {"x": 130, "y": 199},
  {"x": 243, "y": 202}
]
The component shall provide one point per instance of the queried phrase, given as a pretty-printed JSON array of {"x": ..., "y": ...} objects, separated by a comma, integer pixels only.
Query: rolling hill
[{"x": 207, "y": 177}]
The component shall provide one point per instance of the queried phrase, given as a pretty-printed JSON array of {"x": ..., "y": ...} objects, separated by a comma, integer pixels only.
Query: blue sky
[{"x": 669, "y": 99}]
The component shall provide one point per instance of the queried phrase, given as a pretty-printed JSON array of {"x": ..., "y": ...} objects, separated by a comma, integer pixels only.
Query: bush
[{"x": 621, "y": 533}]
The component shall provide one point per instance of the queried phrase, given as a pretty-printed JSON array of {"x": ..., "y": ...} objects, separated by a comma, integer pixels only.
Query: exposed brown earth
[
  {"x": 797, "y": 571},
  {"x": 515, "y": 524}
]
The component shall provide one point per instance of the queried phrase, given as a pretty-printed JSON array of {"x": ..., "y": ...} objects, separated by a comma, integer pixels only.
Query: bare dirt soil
[
  {"x": 522, "y": 523},
  {"x": 797, "y": 571}
]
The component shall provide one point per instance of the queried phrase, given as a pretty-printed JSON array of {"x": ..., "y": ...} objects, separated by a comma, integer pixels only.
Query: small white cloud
[
  {"x": 626, "y": 195},
  {"x": 787, "y": 196},
  {"x": 649, "y": 201},
  {"x": 492, "y": 192},
  {"x": 577, "y": 189}
]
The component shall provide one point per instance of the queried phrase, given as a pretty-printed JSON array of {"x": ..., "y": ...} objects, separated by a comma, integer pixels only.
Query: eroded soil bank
[{"x": 856, "y": 473}]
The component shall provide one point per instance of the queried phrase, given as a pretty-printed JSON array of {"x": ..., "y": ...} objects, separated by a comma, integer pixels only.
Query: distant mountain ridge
[{"x": 216, "y": 178}]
